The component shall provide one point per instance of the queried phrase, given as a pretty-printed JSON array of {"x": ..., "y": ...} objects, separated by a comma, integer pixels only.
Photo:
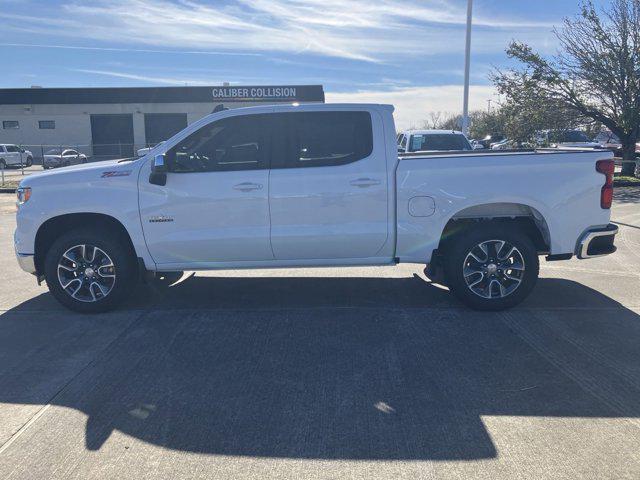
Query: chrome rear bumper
[{"x": 597, "y": 242}]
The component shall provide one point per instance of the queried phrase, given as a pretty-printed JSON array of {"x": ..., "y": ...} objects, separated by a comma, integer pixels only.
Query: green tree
[{"x": 595, "y": 75}]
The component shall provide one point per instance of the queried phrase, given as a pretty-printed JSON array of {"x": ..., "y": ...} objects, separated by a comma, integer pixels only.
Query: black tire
[
  {"x": 3, "y": 164},
  {"x": 459, "y": 251},
  {"x": 124, "y": 266},
  {"x": 29, "y": 161}
]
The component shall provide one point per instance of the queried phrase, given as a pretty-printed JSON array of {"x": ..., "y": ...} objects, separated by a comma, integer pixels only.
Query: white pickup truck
[{"x": 311, "y": 185}]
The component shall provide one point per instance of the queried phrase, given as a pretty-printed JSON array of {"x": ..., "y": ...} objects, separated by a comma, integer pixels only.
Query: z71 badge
[{"x": 116, "y": 173}]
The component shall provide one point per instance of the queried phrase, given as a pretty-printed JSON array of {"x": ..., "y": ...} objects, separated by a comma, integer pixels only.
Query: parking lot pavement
[{"x": 326, "y": 373}]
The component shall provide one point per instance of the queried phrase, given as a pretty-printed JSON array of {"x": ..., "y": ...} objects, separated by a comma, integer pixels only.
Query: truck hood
[{"x": 86, "y": 172}]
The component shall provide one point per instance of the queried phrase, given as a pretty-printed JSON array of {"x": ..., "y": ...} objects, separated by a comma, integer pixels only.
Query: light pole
[{"x": 467, "y": 65}]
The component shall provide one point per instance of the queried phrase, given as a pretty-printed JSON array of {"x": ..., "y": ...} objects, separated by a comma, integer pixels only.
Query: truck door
[
  {"x": 214, "y": 206},
  {"x": 328, "y": 187}
]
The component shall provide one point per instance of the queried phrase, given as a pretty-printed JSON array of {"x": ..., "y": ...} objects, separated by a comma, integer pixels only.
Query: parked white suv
[
  {"x": 311, "y": 185},
  {"x": 14, "y": 155},
  {"x": 412, "y": 141}
]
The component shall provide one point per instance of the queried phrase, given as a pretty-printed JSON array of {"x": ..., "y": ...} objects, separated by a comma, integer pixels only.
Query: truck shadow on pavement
[{"x": 324, "y": 368}]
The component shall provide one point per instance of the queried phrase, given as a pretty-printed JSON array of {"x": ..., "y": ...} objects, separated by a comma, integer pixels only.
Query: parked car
[
  {"x": 491, "y": 139},
  {"x": 565, "y": 139},
  {"x": 62, "y": 157},
  {"x": 610, "y": 141},
  {"x": 412, "y": 141},
  {"x": 312, "y": 185},
  {"x": 507, "y": 144},
  {"x": 501, "y": 145},
  {"x": 476, "y": 144},
  {"x": 13, "y": 156}
]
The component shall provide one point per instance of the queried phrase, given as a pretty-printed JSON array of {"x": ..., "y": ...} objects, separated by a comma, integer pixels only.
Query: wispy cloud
[
  {"x": 130, "y": 50},
  {"x": 146, "y": 78},
  {"x": 361, "y": 30}
]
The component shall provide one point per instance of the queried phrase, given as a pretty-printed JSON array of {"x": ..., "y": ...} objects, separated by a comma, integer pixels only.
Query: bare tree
[
  {"x": 596, "y": 75},
  {"x": 433, "y": 121}
]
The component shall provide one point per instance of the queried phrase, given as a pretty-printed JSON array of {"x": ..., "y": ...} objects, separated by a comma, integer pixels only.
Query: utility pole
[
  {"x": 488, "y": 105},
  {"x": 467, "y": 66}
]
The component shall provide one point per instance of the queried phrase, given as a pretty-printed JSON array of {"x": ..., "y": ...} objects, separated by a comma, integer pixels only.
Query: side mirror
[{"x": 158, "y": 174}]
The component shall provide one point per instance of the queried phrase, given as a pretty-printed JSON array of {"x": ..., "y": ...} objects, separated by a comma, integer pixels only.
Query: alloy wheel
[
  {"x": 86, "y": 273},
  {"x": 493, "y": 269}
]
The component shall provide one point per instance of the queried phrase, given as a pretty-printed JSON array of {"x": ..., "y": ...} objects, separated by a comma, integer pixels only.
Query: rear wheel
[
  {"x": 29, "y": 161},
  {"x": 90, "y": 271},
  {"x": 492, "y": 268}
]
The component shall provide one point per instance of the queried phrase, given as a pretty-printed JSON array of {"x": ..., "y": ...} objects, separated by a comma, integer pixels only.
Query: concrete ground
[{"x": 317, "y": 374}]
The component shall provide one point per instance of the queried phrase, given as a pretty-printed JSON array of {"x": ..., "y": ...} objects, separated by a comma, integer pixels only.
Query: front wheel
[
  {"x": 90, "y": 271},
  {"x": 29, "y": 161},
  {"x": 492, "y": 268}
]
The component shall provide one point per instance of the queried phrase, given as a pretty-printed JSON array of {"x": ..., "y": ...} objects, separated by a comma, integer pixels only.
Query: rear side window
[
  {"x": 234, "y": 143},
  {"x": 321, "y": 139},
  {"x": 12, "y": 149},
  {"x": 10, "y": 124}
]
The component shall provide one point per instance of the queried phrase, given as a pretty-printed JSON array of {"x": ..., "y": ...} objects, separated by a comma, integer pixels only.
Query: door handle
[
  {"x": 247, "y": 186},
  {"x": 364, "y": 182}
]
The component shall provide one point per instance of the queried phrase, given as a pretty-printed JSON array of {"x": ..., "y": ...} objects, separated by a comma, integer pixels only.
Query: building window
[
  {"x": 10, "y": 124},
  {"x": 46, "y": 124}
]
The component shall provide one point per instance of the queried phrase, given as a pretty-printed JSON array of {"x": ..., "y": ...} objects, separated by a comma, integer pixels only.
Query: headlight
[{"x": 23, "y": 194}]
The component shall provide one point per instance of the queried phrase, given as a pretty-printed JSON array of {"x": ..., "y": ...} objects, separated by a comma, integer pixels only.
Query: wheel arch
[
  {"x": 53, "y": 227},
  {"x": 520, "y": 215}
]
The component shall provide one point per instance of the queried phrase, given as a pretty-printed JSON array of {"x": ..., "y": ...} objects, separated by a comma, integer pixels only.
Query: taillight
[{"x": 606, "y": 167}]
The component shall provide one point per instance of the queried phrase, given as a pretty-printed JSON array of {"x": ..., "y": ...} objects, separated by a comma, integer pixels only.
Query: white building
[{"x": 115, "y": 122}]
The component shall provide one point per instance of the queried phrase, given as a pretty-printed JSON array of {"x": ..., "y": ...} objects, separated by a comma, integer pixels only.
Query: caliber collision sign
[{"x": 255, "y": 93}]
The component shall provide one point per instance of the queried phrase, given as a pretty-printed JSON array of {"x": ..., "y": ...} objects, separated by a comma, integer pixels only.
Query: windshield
[{"x": 439, "y": 141}]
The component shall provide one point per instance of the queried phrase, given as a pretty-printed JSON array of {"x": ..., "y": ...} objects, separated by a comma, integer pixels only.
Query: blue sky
[{"x": 409, "y": 53}]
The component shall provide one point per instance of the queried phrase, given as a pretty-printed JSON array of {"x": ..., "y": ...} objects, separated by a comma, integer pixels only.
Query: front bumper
[
  {"x": 27, "y": 262},
  {"x": 597, "y": 242}
]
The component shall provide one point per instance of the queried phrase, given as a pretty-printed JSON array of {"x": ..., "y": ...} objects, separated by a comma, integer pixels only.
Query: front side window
[
  {"x": 46, "y": 124},
  {"x": 10, "y": 124},
  {"x": 329, "y": 138},
  {"x": 70, "y": 153},
  {"x": 12, "y": 149},
  {"x": 234, "y": 143},
  {"x": 403, "y": 142}
]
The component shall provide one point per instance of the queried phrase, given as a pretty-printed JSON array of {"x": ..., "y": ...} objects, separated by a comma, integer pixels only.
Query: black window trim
[{"x": 50, "y": 122}]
